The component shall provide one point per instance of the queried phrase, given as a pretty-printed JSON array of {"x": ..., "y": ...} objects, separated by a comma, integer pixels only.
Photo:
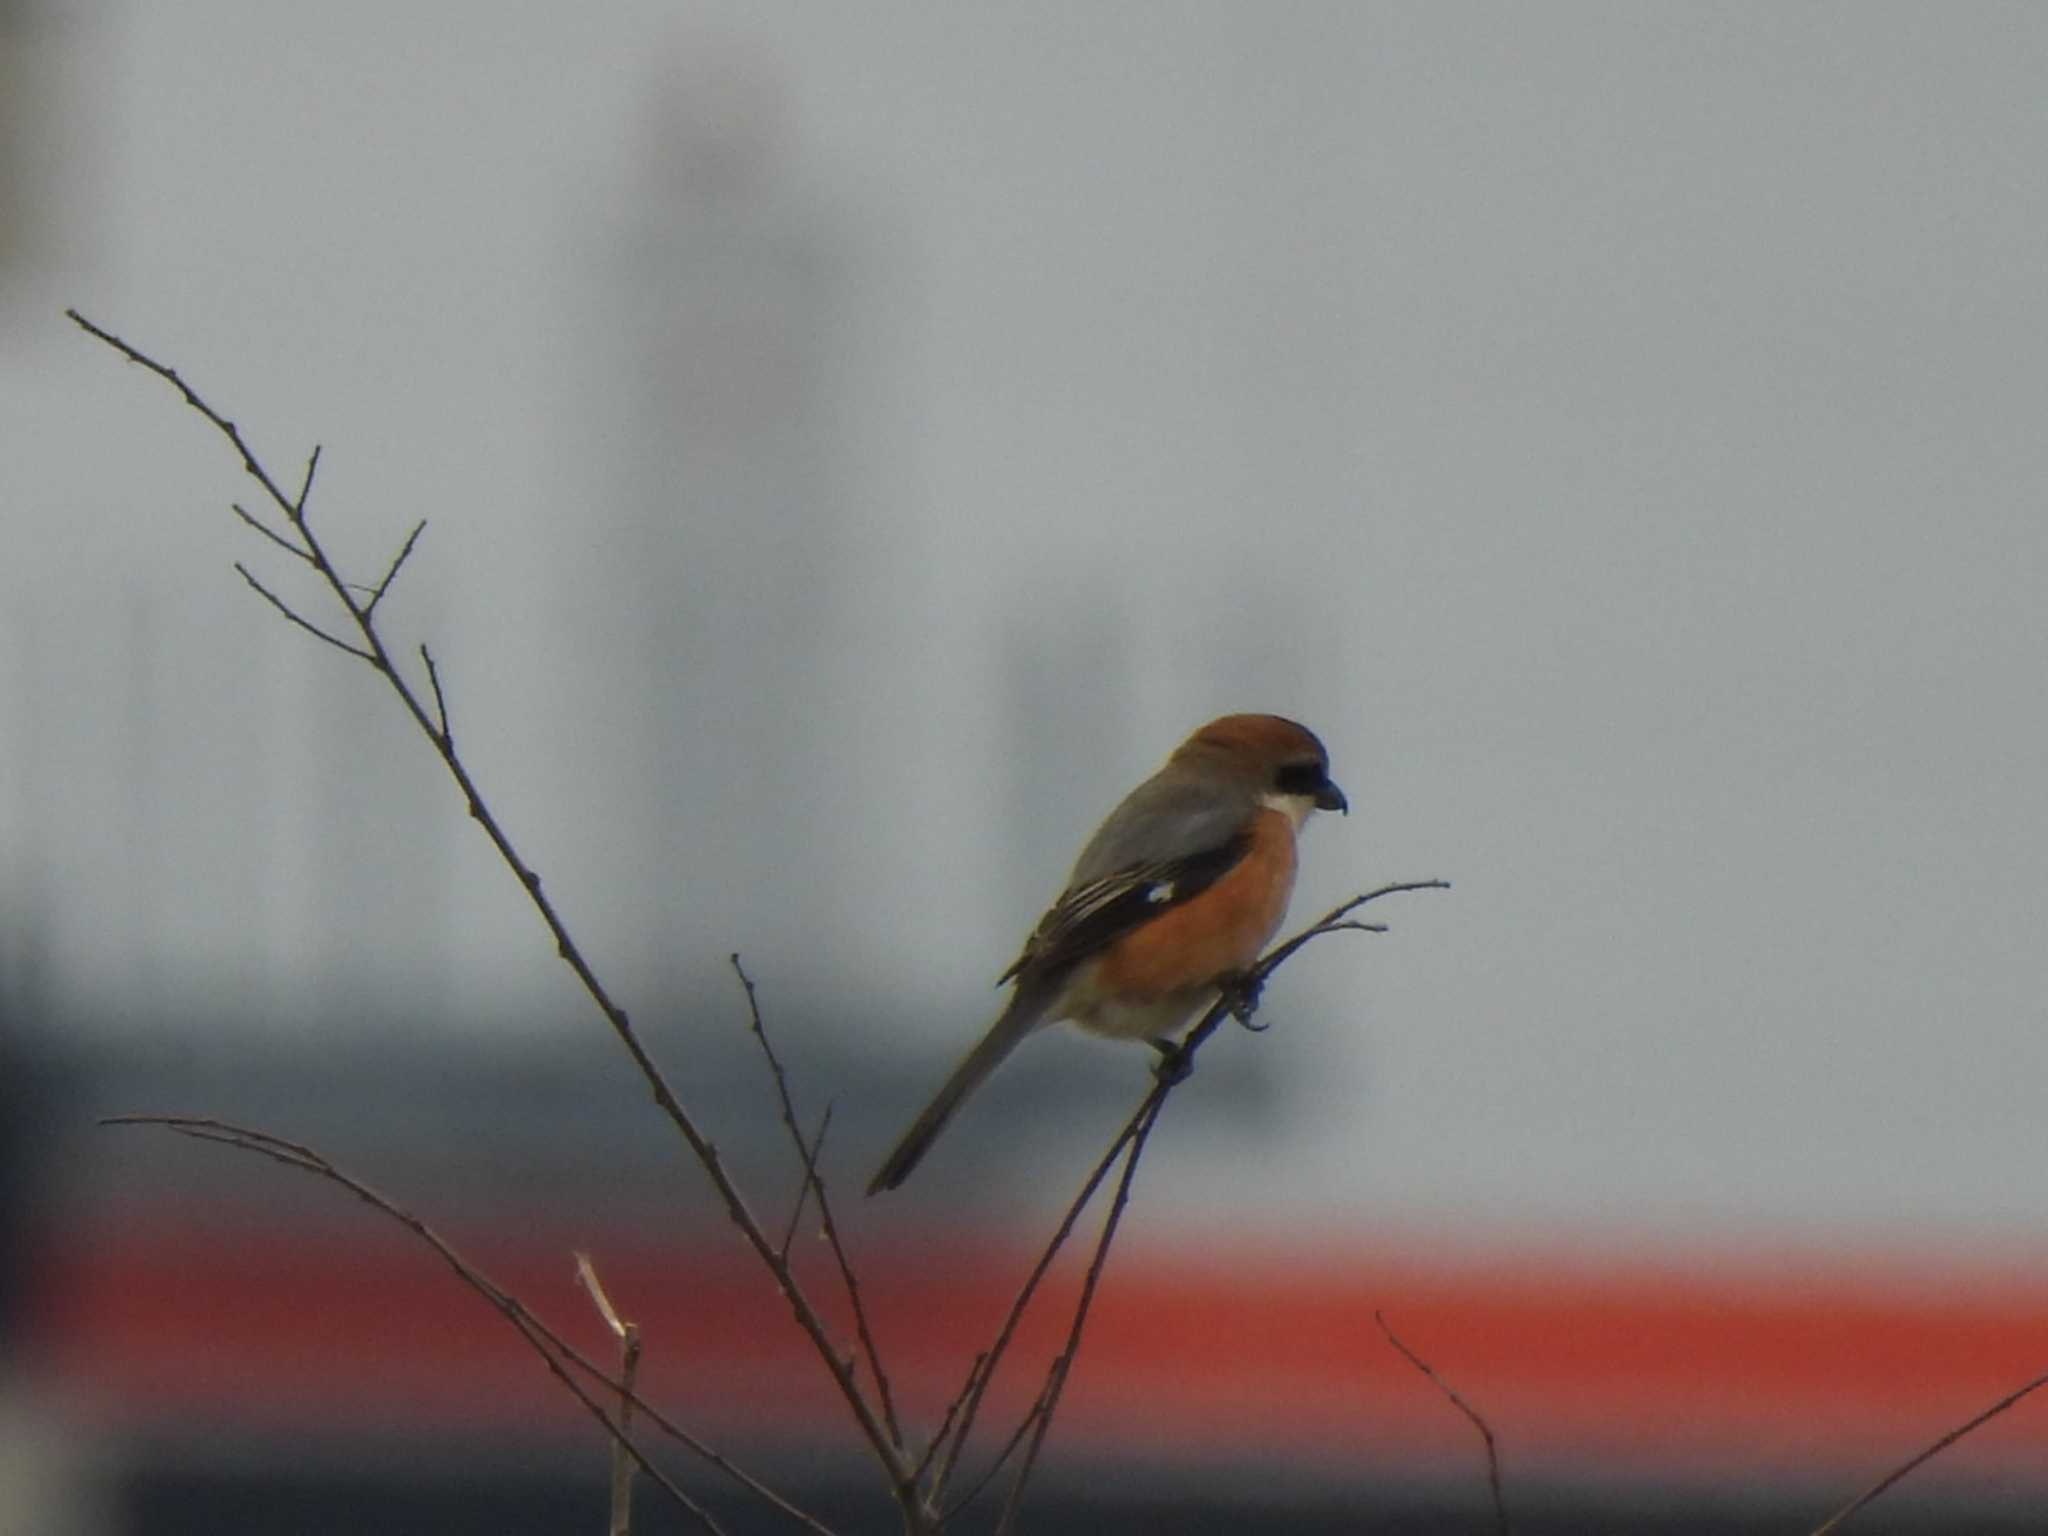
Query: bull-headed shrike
[{"x": 1180, "y": 888}]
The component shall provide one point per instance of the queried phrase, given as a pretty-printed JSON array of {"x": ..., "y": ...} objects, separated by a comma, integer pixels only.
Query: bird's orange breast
[{"x": 1221, "y": 930}]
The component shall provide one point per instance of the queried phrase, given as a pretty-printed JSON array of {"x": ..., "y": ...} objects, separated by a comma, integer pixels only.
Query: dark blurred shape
[
  {"x": 17, "y": 1095},
  {"x": 21, "y": 110},
  {"x": 45, "y": 176}
]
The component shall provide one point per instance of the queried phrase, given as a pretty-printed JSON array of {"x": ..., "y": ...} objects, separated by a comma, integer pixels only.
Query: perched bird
[{"x": 1181, "y": 887}]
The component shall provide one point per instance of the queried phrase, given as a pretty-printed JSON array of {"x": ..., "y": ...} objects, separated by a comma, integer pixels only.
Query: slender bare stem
[
  {"x": 227, "y": 428},
  {"x": 391, "y": 574},
  {"x": 1928, "y": 1453},
  {"x": 1063, "y": 1363},
  {"x": 443, "y": 734},
  {"x": 983, "y": 1372},
  {"x": 953, "y": 1408},
  {"x": 307, "y": 625},
  {"x": 1500, "y": 1505},
  {"x": 802, "y": 1202},
  {"x": 269, "y": 532},
  {"x": 816, "y": 1184}
]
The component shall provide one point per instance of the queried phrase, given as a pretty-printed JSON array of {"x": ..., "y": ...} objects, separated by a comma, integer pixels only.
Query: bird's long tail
[{"x": 1024, "y": 1014}]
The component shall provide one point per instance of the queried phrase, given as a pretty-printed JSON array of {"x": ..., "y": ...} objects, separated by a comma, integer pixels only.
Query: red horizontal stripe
[{"x": 1793, "y": 1367}]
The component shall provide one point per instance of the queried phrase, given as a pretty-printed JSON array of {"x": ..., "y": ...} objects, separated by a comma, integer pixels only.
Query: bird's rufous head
[{"x": 1279, "y": 759}]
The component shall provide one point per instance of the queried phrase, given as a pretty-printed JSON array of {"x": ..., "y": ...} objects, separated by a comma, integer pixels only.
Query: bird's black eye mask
[{"x": 1300, "y": 778}]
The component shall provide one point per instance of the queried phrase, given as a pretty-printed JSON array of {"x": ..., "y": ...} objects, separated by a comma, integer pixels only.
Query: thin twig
[
  {"x": 1333, "y": 921},
  {"x": 1913, "y": 1463},
  {"x": 1002, "y": 1457},
  {"x": 1063, "y": 1363},
  {"x": 1037, "y": 1419},
  {"x": 803, "y": 1188},
  {"x": 847, "y": 1278},
  {"x": 555, "y": 1351},
  {"x": 404, "y": 553},
  {"x": 308, "y": 626},
  {"x": 1135, "y": 1129},
  {"x": 269, "y": 532},
  {"x": 983, "y": 1372},
  {"x": 306, "y": 485},
  {"x": 953, "y": 1408},
  {"x": 885, "y": 1444},
  {"x": 1500, "y": 1506},
  {"x": 441, "y": 734},
  {"x": 227, "y": 428},
  {"x": 1056, "y": 1378}
]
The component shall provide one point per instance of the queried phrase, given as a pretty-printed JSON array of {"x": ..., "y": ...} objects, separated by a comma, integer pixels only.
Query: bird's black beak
[{"x": 1330, "y": 798}]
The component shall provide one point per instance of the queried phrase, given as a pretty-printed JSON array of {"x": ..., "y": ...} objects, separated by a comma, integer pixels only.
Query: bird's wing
[{"x": 1091, "y": 915}]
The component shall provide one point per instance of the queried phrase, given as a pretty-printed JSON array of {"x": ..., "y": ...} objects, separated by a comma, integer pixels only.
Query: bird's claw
[
  {"x": 1173, "y": 1065},
  {"x": 1241, "y": 992}
]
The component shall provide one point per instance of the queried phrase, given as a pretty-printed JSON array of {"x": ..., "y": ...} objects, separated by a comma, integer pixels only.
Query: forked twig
[
  {"x": 815, "y": 1185},
  {"x": 803, "y": 1189}
]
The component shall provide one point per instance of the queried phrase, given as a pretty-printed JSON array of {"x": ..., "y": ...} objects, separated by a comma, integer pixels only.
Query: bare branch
[
  {"x": 1333, "y": 922},
  {"x": 876, "y": 1420},
  {"x": 1063, "y": 1363},
  {"x": 1002, "y": 1457},
  {"x": 555, "y": 1351},
  {"x": 885, "y": 1443},
  {"x": 760, "y": 1033},
  {"x": 227, "y": 428},
  {"x": 405, "y": 553},
  {"x": 440, "y": 733},
  {"x": 269, "y": 533},
  {"x": 305, "y": 487},
  {"x": 803, "y": 1189},
  {"x": 982, "y": 1373},
  {"x": 847, "y": 1278},
  {"x": 309, "y": 627},
  {"x": 1500, "y": 1507},
  {"x": 1915, "y": 1462},
  {"x": 953, "y": 1408}
]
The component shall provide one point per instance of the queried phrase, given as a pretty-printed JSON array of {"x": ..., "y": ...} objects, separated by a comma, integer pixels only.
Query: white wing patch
[{"x": 1160, "y": 892}]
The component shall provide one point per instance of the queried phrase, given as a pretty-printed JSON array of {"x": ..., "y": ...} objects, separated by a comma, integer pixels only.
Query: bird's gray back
[{"x": 1166, "y": 817}]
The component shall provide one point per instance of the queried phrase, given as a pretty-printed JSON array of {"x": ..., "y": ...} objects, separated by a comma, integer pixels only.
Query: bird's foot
[
  {"x": 1173, "y": 1065},
  {"x": 1241, "y": 992}
]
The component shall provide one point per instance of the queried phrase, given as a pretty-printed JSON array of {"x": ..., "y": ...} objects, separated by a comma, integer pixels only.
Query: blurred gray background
[{"x": 859, "y": 441}]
